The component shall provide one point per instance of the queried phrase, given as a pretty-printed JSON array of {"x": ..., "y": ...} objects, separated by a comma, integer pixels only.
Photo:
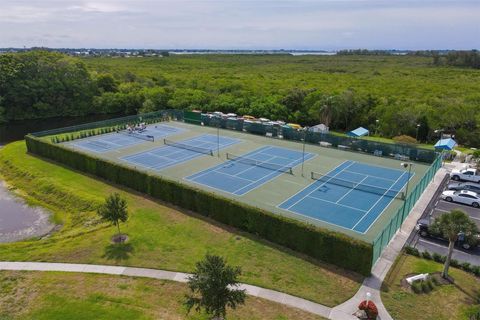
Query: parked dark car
[
  {"x": 464, "y": 241},
  {"x": 471, "y": 186}
]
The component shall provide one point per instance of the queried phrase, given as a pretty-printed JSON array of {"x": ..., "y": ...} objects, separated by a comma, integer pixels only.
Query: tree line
[{"x": 42, "y": 84}]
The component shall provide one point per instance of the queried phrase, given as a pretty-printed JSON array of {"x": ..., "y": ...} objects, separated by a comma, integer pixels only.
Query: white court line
[
  {"x": 383, "y": 195},
  {"x": 226, "y": 174},
  {"x": 351, "y": 189},
  {"x": 316, "y": 188},
  {"x": 338, "y": 204},
  {"x": 267, "y": 177},
  {"x": 250, "y": 165},
  {"x": 381, "y": 213},
  {"x": 369, "y": 175},
  {"x": 219, "y": 166}
]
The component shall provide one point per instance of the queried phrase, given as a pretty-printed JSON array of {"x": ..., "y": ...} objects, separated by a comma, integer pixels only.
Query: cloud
[{"x": 321, "y": 24}]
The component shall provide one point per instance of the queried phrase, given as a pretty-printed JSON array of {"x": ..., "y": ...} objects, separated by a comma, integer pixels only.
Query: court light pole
[
  {"x": 218, "y": 138},
  {"x": 405, "y": 165},
  {"x": 305, "y": 130},
  {"x": 416, "y": 134}
]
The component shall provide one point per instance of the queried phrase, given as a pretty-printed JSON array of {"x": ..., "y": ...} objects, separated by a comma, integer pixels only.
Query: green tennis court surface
[{"x": 350, "y": 192}]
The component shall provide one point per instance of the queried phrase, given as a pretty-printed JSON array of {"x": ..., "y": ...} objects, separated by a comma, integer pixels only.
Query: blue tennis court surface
[
  {"x": 237, "y": 177},
  {"x": 166, "y": 156},
  {"x": 356, "y": 207},
  {"x": 113, "y": 141}
]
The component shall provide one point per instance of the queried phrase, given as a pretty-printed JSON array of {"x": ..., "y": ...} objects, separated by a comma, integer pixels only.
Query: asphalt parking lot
[{"x": 438, "y": 207}]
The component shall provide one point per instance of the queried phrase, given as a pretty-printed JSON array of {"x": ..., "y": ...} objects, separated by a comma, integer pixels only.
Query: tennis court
[
  {"x": 240, "y": 175},
  {"x": 114, "y": 141},
  {"x": 352, "y": 196},
  {"x": 176, "y": 152}
]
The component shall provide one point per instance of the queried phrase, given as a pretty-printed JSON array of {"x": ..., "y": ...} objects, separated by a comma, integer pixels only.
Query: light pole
[
  {"x": 416, "y": 134},
  {"x": 440, "y": 132},
  {"x": 218, "y": 138},
  {"x": 405, "y": 165},
  {"x": 376, "y": 126},
  {"x": 305, "y": 130}
]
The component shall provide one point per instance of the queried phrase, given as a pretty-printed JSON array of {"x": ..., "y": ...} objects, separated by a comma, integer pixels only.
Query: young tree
[
  {"x": 213, "y": 287},
  {"x": 114, "y": 210},
  {"x": 451, "y": 225}
]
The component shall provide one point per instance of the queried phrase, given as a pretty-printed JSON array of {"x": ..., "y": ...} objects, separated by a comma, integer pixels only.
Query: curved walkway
[
  {"x": 343, "y": 311},
  {"x": 255, "y": 291}
]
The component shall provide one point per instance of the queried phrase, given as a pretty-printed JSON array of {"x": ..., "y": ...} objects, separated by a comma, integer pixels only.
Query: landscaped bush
[
  {"x": 426, "y": 255},
  {"x": 466, "y": 267},
  {"x": 430, "y": 283},
  {"x": 438, "y": 258},
  {"x": 441, "y": 259},
  {"x": 417, "y": 286},
  {"x": 476, "y": 270},
  {"x": 455, "y": 263},
  {"x": 328, "y": 246},
  {"x": 425, "y": 287},
  {"x": 412, "y": 251}
]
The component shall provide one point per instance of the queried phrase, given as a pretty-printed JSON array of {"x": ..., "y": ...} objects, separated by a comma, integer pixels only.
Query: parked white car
[
  {"x": 468, "y": 174},
  {"x": 463, "y": 196}
]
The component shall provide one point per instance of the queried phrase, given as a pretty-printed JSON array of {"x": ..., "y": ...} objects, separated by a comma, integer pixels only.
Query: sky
[{"x": 241, "y": 24}]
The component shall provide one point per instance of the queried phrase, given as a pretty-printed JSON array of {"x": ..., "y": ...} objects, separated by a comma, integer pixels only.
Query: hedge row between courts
[{"x": 321, "y": 244}]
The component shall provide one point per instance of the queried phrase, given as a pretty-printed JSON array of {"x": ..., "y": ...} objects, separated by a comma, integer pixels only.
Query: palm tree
[
  {"x": 213, "y": 287},
  {"x": 114, "y": 210},
  {"x": 451, "y": 225},
  {"x": 326, "y": 109}
]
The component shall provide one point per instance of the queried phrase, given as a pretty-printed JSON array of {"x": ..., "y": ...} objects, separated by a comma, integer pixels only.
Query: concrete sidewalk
[
  {"x": 373, "y": 283},
  {"x": 343, "y": 311},
  {"x": 255, "y": 291}
]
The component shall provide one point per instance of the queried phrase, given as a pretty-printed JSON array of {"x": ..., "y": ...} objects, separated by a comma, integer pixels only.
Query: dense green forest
[{"x": 343, "y": 91}]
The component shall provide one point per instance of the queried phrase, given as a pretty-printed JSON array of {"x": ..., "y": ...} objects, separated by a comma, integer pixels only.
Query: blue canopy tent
[
  {"x": 445, "y": 144},
  {"x": 359, "y": 132}
]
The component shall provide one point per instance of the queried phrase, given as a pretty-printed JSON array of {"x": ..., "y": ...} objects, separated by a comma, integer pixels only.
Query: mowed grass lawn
[
  {"x": 161, "y": 237},
  {"x": 446, "y": 302},
  {"x": 74, "y": 296}
]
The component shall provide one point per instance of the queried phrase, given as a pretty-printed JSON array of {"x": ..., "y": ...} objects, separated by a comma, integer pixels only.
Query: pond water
[{"x": 18, "y": 220}]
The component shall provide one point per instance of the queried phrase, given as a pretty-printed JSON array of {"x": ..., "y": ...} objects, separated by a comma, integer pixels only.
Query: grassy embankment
[
  {"x": 454, "y": 301},
  {"x": 54, "y": 295},
  {"x": 160, "y": 236}
]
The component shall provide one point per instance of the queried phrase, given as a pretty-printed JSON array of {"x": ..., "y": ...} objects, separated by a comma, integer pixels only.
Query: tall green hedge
[{"x": 325, "y": 245}]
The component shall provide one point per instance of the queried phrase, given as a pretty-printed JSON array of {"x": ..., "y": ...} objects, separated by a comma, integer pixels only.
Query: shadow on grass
[
  {"x": 118, "y": 251},
  {"x": 111, "y": 250}
]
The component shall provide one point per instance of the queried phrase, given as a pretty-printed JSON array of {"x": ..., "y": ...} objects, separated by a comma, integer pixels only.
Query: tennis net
[
  {"x": 100, "y": 144},
  {"x": 137, "y": 135},
  {"x": 262, "y": 164},
  {"x": 188, "y": 147},
  {"x": 358, "y": 186}
]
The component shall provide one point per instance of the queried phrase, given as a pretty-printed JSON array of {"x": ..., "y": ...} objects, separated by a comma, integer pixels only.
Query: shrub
[
  {"x": 476, "y": 270},
  {"x": 430, "y": 283},
  {"x": 404, "y": 139},
  {"x": 426, "y": 255},
  {"x": 438, "y": 258},
  {"x": 466, "y": 267},
  {"x": 454, "y": 263},
  {"x": 425, "y": 287},
  {"x": 417, "y": 286},
  {"x": 434, "y": 280},
  {"x": 412, "y": 251}
]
